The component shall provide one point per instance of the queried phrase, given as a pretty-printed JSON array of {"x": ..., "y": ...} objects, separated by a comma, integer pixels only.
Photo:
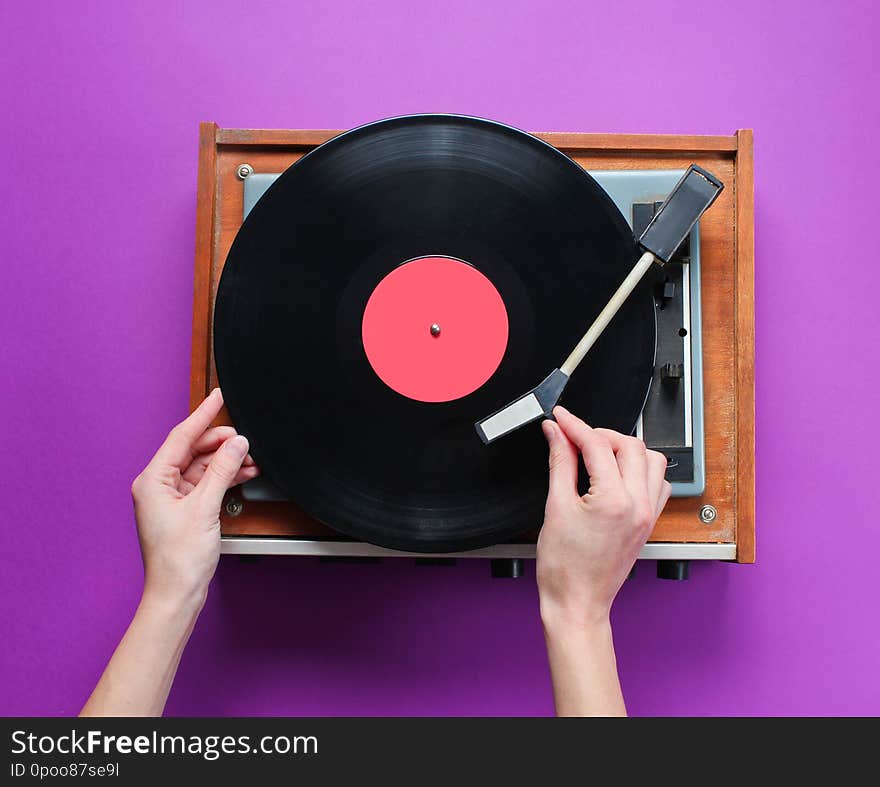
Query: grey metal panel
[
  {"x": 255, "y": 187},
  {"x": 626, "y": 187}
]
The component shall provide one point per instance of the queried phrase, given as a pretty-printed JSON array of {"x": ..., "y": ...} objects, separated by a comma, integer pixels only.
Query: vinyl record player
[{"x": 699, "y": 401}]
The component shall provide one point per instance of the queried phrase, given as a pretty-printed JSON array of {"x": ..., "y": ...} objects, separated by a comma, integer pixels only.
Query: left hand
[{"x": 177, "y": 500}]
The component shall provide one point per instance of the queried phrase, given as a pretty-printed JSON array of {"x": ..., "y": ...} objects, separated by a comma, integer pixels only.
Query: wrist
[
  {"x": 586, "y": 619},
  {"x": 583, "y": 666},
  {"x": 183, "y": 605},
  {"x": 574, "y": 639}
]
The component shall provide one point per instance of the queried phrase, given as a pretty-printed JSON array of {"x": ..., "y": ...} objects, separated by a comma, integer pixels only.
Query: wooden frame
[{"x": 727, "y": 247}]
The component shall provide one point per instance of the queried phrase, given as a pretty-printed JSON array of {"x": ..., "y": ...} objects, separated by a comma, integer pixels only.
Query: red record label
[{"x": 435, "y": 329}]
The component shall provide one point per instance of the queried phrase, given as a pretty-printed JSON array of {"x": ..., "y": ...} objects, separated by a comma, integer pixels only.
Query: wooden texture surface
[
  {"x": 745, "y": 348},
  {"x": 206, "y": 196},
  {"x": 727, "y": 236}
]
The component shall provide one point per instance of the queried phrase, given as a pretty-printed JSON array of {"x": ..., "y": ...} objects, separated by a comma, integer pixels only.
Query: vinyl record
[{"x": 399, "y": 283}]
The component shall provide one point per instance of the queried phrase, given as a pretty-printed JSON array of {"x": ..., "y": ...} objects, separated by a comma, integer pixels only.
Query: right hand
[{"x": 589, "y": 543}]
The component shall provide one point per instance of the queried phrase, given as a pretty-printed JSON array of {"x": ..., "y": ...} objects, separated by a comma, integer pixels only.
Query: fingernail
[
  {"x": 237, "y": 446},
  {"x": 549, "y": 428}
]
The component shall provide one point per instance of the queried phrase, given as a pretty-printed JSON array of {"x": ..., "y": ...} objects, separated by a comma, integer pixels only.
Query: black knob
[
  {"x": 672, "y": 373},
  {"x": 678, "y": 570},
  {"x": 507, "y": 567},
  {"x": 664, "y": 292}
]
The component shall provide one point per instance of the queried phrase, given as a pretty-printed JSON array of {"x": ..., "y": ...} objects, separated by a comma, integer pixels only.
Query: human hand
[
  {"x": 588, "y": 543},
  {"x": 177, "y": 500}
]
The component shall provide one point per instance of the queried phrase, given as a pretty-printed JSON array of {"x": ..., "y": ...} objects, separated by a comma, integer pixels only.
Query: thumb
[
  {"x": 220, "y": 473},
  {"x": 563, "y": 462}
]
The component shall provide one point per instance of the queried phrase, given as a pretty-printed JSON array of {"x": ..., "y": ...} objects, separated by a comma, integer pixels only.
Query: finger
[
  {"x": 657, "y": 464},
  {"x": 665, "y": 492},
  {"x": 222, "y": 471},
  {"x": 595, "y": 449},
  {"x": 192, "y": 478},
  {"x": 632, "y": 460},
  {"x": 212, "y": 439},
  {"x": 177, "y": 448},
  {"x": 563, "y": 463},
  {"x": 193, "y": 474},
  {"x": 244, "y": 475}
]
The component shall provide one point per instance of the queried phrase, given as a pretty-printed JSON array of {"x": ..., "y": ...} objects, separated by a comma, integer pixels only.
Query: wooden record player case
[{"x": 718, "y": 525}]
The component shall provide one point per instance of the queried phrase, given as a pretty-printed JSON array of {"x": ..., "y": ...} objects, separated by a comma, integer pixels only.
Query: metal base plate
[{"x": 248, "y": 545}]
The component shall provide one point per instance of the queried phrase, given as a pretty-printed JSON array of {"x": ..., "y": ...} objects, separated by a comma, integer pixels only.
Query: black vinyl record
[{"x": 324, "y": 427}]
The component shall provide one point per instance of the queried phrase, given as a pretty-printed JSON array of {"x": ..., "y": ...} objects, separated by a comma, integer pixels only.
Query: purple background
[{"x": 99, "y": 148}]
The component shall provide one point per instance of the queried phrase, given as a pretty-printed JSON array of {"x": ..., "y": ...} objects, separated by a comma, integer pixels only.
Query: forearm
[
  {"x": 583, "y": 669},
  {"x": 139, "y": 675}
]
